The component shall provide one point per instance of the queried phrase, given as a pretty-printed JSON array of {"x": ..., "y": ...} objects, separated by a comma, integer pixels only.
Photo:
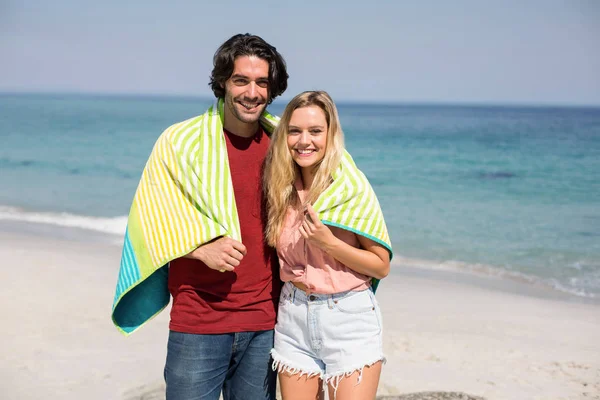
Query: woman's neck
[{"x": 307, "y": 178}]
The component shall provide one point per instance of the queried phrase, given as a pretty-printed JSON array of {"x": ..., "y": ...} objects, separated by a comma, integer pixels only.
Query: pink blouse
[{"x": 302, "y": 262}]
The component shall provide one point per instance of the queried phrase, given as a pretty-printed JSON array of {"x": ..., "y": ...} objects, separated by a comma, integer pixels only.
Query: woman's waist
[
  {"x": 299, "y": 292},
  {"x": 315, "y": 281}
]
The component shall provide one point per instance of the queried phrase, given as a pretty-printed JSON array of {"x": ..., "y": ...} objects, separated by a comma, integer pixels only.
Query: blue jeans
[{"x": 198, "y": 367}]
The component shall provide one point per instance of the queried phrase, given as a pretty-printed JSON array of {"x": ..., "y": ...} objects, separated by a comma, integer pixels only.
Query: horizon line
[{"x": 347, "y": 101}]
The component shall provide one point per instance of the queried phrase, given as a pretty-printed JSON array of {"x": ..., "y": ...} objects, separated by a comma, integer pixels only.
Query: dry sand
[{"x": 443, "y": 332}]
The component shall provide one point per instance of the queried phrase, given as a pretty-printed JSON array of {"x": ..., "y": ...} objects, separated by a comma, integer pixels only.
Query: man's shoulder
[{"x": 183, "y": 128}]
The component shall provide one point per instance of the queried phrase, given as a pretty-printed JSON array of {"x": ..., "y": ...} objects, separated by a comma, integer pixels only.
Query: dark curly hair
[{"x": 248, "y": 45}]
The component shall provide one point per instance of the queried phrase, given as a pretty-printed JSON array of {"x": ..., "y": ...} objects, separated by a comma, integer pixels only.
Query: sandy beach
[{"x": 443, "y": 331}]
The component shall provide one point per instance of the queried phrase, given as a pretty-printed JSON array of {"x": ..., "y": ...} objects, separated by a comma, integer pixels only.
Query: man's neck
[
  {"x": 241, "y": 130},
  {"x": 237, "y": 127}
]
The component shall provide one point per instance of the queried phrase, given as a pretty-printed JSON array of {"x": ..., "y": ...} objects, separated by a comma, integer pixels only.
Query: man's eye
[
  {"x": 240, "y": 82},
  {"x": 263, "y": 84}
]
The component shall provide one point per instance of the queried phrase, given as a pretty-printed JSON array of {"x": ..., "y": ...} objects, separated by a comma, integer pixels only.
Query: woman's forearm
[{"x": 371, "y": 260}]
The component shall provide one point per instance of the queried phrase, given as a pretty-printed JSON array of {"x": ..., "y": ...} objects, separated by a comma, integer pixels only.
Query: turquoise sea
[{"x": 496, "y": 190}]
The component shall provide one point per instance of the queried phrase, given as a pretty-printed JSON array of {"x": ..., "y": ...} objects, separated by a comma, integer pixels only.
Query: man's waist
[{"x": 192, "y": 316}]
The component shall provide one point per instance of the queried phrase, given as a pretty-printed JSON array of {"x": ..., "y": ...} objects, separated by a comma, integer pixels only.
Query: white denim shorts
[{"x": 329, "y": 335}]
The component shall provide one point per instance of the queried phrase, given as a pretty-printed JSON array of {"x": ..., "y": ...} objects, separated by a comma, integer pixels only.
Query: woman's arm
[{"x": 372, "y": 259}]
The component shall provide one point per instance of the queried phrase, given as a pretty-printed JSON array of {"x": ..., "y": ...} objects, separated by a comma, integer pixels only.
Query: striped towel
[
  {"x": 350, "y": 203},
  {"x": 184, "y": 199}
]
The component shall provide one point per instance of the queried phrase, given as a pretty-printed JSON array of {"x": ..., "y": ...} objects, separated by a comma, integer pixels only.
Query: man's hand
[{"x": 222, "y": 254}]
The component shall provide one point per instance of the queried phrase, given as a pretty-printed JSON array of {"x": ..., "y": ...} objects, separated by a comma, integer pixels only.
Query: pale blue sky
[{"x": 536, "y": 52}]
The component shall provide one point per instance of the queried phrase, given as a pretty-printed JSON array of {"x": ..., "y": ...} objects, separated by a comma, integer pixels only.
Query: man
[{"x": 201, "y": 191}]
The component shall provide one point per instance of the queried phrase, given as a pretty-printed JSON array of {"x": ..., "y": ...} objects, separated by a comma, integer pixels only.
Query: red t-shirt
[{"x": 206, "y": 301}]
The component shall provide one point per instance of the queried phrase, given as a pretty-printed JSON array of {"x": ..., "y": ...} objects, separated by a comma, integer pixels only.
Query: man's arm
[{"x": 221, "y": 254}]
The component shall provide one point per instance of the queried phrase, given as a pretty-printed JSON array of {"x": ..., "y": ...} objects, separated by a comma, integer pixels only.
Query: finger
[
  {"x": 235, "y": 254},
  {"x": 226, "y": 267},
  {"x": 232, "y": 261},
  {"x": 303, "y": 232},
  {"x": 305, "y": 214},
  {"x": 307, "y": 227},
  {"x": 307, "y": 220},
  {"x": 239, "y": 247},
  {"x": 313, "y": 215}
]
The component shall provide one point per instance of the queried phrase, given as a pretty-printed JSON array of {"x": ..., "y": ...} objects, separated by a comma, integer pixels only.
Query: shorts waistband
[{"x": 298, "y": 294}]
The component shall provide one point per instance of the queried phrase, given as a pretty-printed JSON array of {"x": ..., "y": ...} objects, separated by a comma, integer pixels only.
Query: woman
[{"x": 326, "y": 223}]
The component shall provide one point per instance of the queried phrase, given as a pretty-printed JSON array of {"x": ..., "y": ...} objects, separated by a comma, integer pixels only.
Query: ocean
[{"x": 507, "y": 191}]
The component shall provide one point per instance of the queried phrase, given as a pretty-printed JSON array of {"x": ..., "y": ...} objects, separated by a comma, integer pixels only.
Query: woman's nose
[{"x": 305, "y": 138}]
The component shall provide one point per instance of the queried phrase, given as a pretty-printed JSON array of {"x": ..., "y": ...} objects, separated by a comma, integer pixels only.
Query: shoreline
[
  {"x": 409, "y": 267},
  {"x": 441, "y": 332}
]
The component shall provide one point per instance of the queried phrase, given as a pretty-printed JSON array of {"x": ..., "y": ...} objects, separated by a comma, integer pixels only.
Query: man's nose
[{"x": 252, "y": 90}]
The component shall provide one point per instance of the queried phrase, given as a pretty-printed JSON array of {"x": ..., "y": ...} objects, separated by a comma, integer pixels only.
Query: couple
[{"x": 232, "y": 203}]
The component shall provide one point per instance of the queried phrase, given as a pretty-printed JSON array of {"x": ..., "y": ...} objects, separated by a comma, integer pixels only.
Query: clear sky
[{"x": 529, "y": 51}]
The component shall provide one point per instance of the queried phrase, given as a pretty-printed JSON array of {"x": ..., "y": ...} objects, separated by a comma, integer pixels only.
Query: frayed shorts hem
[
  {"x": 350, "y": 370},
  {"x": 281, "y": 365}
]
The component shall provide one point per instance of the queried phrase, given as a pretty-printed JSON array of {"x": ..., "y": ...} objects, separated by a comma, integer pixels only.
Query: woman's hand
[
  {"x": 371, "y": 259},
  {"x": 313, "y": 230}
]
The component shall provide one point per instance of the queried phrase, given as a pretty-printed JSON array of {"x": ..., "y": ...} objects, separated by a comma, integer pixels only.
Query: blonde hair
[{"x": 281, "y": 171}]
